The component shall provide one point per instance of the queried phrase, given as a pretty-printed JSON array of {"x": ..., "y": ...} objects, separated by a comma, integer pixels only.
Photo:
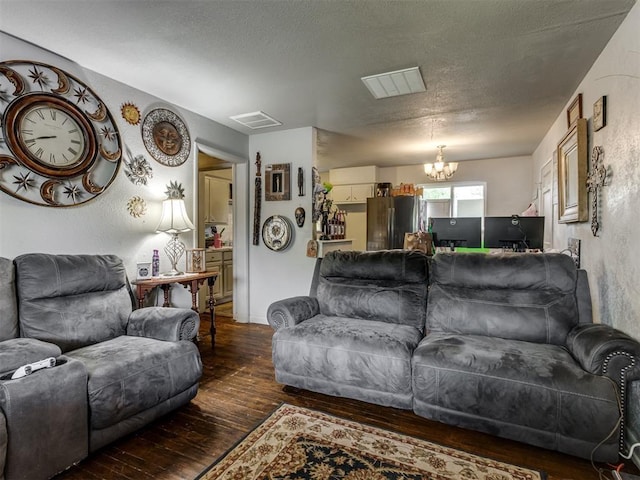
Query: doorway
[{"x": 215, "y": 221}]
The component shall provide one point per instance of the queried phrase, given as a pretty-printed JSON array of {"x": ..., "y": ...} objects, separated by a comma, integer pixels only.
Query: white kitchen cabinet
[
  {"x": 357, "y": 193},
  {"x": 216, "y": 194}
]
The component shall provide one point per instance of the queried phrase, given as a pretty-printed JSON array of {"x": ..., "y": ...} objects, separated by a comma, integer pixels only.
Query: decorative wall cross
[{"x": 595, "y": 181}]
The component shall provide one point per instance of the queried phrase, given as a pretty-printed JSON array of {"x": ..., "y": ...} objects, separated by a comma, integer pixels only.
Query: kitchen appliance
[{"x": 389, "y": 218}]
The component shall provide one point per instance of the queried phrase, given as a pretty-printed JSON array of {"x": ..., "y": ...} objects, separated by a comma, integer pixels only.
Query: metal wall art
[
  {"x": 596, "y": 179},
  {"x": 130, "y": 113},
  {"x": 166, "y": 137},
  {"x": 300, "y": 182},
  {"x": 277, "y": 182},
  {"x": 137, "y": 207},
  {"x": 137, "y": 169}
]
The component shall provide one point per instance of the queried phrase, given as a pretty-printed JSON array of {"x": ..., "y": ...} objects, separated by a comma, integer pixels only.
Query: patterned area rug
[{"x": 295, "y": 443}]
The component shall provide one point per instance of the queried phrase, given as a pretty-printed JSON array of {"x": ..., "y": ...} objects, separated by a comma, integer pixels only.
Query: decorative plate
[{"x": 166, "y": 137}]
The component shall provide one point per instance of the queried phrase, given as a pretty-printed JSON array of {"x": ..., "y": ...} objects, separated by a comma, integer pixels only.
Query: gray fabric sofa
[
  {"x": 503, "y": 344},
  {"x": 117, "y": 369}
]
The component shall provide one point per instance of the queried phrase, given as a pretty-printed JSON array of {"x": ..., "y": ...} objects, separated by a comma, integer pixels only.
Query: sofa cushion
[
  {"x": 369, "y": 355},
  {"x": 530, "y": 297},
  {"x": 72, "y": 300},
  {"x": 128, "y": 375},
  {"x": 385, "y": 286},
  {"x": 8, "y": 306},
  {"x": 487, "y": 381}
]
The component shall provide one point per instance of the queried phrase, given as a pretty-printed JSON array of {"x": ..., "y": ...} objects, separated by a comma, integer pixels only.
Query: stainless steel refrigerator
[{"x": 389, "y": 218}]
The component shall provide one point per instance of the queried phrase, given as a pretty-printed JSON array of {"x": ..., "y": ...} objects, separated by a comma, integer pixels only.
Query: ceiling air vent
[
  {"x": 392, "y": 84},
  {"x": 255, "y": 120}
]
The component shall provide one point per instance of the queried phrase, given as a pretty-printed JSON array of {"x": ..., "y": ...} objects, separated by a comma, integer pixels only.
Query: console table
[{"x": 191, "y": 280}]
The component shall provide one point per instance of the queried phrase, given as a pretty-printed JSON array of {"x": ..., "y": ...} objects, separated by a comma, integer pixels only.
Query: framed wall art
[
  {"x": 574, "y": 112},
  {"x": 600, "y": 113},
  {"x": 572, "y": 174},
  {"x": 277, "y": 182}
]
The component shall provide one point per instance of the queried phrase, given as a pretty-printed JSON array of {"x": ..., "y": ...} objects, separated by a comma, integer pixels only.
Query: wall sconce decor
[{"x": 440, "y": 170}]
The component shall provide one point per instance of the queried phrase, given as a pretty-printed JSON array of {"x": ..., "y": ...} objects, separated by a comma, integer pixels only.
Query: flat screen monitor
[
  {"x": 514, "y": 233},
  {"x": 457, "y": 232}
]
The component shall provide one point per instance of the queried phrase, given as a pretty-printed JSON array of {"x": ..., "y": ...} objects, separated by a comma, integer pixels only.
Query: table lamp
[{"x": 174, "y": 220}]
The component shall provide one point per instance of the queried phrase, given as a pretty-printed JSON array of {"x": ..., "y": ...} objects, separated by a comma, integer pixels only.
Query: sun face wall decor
[
  {"x": 166, "y": 137},
  {"x": 60, "y": 146}
]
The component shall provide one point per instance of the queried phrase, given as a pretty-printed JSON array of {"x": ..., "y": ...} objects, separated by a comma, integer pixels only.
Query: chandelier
[{"x": 440, "y": 170}]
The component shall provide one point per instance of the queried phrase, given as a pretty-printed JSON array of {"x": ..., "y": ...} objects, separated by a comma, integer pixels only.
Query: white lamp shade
[
  {"x": 174, "y": 217},
  {"x": 427, "y": 168}
]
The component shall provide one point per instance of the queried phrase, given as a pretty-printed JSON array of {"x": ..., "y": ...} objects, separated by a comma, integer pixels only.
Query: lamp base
[
  {"x": 174, "y": 250},
  {"x": 171, "y": 273}
]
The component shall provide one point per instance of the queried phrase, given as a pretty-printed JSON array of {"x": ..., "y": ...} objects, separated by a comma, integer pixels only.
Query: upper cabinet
[
  {"x": 357, "y": 193},
  {"x": 217, "y": 194},
  {"x": 353, "y": 185}
]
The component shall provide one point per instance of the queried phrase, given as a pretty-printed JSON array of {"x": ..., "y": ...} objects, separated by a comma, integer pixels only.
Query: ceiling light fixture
[
  {"x": 255, "y": 120},
  {"x": 440, "y": 170},
  {"x": 392, "y": 84}
]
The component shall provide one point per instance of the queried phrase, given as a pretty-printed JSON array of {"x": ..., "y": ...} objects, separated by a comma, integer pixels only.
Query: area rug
[{"x": 296, "y": 443}]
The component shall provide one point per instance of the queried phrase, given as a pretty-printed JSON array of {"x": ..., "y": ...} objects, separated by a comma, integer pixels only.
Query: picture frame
[
  {"x": 143, "y": 271},
  {"x": 600, "y": 114},
  {"x": 196, "y": 261},
  {"x": 572, "y": 174},
  {"x": 574, "y": 112},
  {"x": 277, "y": 182}
]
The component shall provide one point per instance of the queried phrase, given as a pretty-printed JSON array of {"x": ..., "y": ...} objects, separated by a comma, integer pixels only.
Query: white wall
[
  {"x": 509, "y": 181},
  {"x": 276, "y": 275},
  {"x": 611, "y": 259},
  {"x": 104, "y": 225}
]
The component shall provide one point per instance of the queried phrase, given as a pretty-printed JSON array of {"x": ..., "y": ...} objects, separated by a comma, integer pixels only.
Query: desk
[{"x": 192, "y": 280}]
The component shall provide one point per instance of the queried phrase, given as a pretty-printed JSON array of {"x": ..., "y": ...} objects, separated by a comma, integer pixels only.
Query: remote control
[{"x": 29, "y": 368}]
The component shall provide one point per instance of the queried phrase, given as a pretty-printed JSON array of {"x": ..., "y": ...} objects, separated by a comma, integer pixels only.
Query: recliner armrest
[
  {"x": 602, "y": 350},
  {"x": 169, "y": 324},
  {"x": 16, "y": 352},
  {"x": 290, "y": 311}
]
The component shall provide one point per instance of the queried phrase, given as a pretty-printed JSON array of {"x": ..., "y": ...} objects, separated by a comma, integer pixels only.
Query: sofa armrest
[
  {"x": 290, "y": 311},
  {"x": 16, "y": 352},
  {"x": 170, "y": 324},
  {"x": 602, "y": 350}
]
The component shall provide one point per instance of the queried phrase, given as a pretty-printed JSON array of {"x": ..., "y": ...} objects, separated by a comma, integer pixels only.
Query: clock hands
[{"x": 45, "y": 137}]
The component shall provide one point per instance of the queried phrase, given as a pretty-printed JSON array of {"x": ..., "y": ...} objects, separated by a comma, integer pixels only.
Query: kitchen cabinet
[
  {"x": 221, "y": 262},
  {"x": 217, "y": 200},
  {"x": 356, "y": 193}
]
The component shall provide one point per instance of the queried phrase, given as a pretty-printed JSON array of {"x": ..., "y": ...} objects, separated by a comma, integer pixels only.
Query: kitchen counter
[{"x": 221, "y": 249}]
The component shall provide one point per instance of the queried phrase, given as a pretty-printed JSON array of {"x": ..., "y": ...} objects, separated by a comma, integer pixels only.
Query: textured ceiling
[{"x": 497, "y": 72}]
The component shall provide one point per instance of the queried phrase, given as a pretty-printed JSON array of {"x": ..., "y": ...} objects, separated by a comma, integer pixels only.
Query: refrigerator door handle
[{"x": 391, "y": 230}]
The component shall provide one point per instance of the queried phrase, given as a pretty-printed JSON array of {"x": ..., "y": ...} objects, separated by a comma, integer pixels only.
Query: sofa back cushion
[
  {"x": 72, "y": 300},
  {"x": 530, "y": 297},
  {"x": 8, "y": 305},
  {"x": 387, "y": 286}
]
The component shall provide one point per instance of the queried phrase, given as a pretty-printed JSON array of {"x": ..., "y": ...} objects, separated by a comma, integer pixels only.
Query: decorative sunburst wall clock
[{"x": 60, "y": 146}]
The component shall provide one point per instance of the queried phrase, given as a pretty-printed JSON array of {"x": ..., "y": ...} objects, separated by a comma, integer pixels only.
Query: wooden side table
[{"x": 193, "y": 281}]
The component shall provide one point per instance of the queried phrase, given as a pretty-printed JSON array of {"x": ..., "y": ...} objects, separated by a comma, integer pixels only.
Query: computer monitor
[
  {"x": 514, "y": 233},
  {"x": 457, "y": 232}
]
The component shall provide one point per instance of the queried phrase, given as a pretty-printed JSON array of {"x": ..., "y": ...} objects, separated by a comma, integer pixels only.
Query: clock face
[
  {"x": 277, "y": 232},
  {"x": 52, "y": 136},
  {"x": 59, "y": 146}
]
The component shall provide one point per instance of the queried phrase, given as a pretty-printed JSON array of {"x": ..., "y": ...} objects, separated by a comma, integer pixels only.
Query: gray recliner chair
[{"x": 117, "y": 368}]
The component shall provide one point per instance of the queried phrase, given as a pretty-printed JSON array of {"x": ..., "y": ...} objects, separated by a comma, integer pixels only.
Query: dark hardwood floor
[{"x": 237, "y": 391}]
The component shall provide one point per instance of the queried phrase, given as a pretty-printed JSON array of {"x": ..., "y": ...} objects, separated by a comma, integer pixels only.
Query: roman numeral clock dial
[{"x": 61, "y": 146}]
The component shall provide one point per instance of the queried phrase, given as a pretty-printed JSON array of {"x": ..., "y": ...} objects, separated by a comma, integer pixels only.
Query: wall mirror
[{"x": 572, "y": 174}]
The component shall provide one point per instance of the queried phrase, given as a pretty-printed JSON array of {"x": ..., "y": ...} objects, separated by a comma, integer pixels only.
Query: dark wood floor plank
[{"x": 237, "y": 391}]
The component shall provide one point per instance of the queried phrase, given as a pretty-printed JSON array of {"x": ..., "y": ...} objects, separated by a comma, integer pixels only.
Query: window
[{"x": 454, "y": 200}]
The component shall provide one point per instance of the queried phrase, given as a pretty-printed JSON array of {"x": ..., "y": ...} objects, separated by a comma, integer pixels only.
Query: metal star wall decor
[
  {"x": 597, "y": 178},
  {"x": 174, "y": 191}
]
